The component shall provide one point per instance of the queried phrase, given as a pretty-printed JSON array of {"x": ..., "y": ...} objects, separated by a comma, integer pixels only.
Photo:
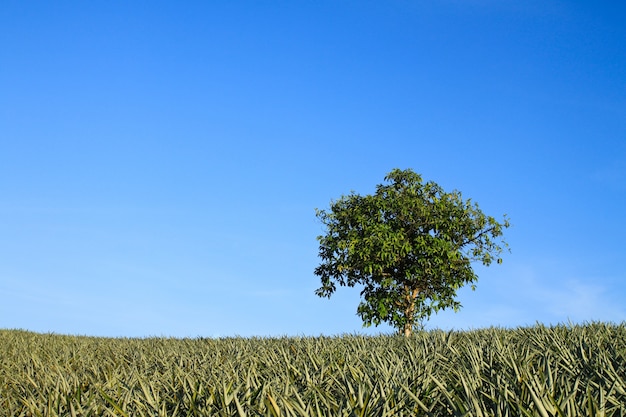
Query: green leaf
[{"x": 409, "y": 240}]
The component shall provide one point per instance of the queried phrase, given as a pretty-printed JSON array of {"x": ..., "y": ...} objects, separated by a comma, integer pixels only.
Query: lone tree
[{"x": 410, "y": 245}]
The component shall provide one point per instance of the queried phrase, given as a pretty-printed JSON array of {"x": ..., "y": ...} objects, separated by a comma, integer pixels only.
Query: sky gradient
[{"x": 161, "y": 162}]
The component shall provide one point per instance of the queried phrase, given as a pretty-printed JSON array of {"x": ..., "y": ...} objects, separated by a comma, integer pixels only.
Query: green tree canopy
[{"x": 410, "y": 245}]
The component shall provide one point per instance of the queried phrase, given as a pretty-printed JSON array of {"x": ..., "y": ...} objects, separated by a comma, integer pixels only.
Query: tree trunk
[
  {"x": 408, "y": 329},
  {"x": 409, "y": 311}
]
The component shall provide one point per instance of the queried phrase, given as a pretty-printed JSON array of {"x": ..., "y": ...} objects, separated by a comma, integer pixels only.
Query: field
[{"x": 573, "y": 370}]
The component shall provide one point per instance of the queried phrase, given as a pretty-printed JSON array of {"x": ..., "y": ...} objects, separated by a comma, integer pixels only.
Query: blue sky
[{"x": 161, "y": 162}]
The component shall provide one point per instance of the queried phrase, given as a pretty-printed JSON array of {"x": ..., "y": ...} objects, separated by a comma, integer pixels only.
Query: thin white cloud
[
  {"x": 580, "y": 300},
  {"x": 549, "y": 298},
  {"x": 523, "y": 295}
]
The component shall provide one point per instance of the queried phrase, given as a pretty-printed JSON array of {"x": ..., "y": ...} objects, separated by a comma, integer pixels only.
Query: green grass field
[{"x": 535, "y": 371}]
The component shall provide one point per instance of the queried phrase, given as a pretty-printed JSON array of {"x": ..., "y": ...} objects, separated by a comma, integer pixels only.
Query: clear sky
[{"x": 161, "y": 162}]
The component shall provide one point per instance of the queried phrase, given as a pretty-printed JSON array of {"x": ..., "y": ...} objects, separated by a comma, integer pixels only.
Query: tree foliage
[{"x": 410, "y": 245}]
